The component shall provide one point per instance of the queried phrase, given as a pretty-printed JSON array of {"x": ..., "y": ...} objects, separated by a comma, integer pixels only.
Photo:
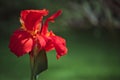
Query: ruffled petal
[
  {"x": 41, "y": 42},
  {"x": 32, "y": 18},
  {"x": 60, "y": 46},
  {"x": 50, "y": 19},
  {"x": 49, "y": 44},
  {"x": 21, "y": 43}
]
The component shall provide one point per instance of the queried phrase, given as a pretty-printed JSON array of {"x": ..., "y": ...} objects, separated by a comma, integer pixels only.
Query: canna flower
[{"x": 33, "y": 34}]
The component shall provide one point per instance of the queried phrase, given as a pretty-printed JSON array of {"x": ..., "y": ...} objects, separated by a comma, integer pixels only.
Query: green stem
[
  {"x": 32, "y": 63},
  {"x": 33, "y": 77}
]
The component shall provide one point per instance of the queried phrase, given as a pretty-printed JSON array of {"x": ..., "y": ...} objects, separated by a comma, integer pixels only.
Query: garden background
[{"x": 91, "y": 29}]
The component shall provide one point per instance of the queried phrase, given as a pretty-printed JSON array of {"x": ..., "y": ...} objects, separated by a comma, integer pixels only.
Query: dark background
[{"x": 91, "y": 29}]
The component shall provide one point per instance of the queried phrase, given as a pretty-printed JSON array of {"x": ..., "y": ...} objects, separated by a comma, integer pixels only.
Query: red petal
[
  {"x": 50, "y": 19},
  {"x": 49, "y": 44},
  {"x": 32, "y": 18},
  {"x": 41, "y": 41},
  {"x": 60, "y": 46},
  {"x": 21, "y": 43}
]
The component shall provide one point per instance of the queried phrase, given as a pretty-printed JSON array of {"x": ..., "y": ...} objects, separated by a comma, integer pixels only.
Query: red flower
[{"x": 34, "y": 32}]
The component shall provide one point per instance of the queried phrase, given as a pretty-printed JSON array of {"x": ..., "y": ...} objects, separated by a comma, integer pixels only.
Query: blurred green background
[{"x": 91, "y": 29}]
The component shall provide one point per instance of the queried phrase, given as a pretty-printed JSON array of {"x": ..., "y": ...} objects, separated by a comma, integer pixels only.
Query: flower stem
[
  {"x": 32, "y": 63},
  {"x": 33, "y": 77}
]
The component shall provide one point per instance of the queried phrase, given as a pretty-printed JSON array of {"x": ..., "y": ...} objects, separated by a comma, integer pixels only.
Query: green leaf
[{"x": 38, "y": 63}]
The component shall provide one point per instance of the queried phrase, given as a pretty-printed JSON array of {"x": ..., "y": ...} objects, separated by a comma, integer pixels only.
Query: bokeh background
[{"x": 91, "y": 29}]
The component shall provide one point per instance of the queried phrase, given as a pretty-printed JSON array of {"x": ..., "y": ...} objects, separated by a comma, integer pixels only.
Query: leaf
[
  {"x": 38, "y": 63},
  {"x": 41, "y": 63}
]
